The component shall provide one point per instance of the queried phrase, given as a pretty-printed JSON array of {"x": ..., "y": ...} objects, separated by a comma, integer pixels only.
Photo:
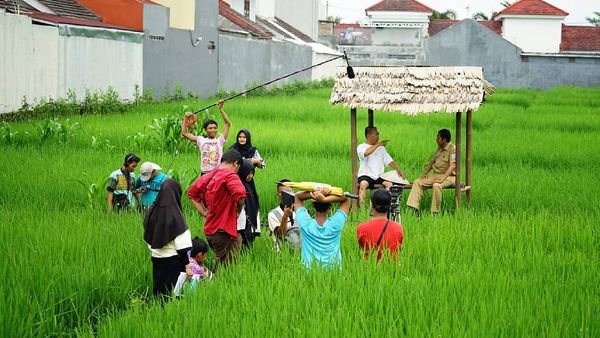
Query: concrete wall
[
  {"x": 244, "y": 61},
  {"x": 182, "y": 13},
  {"x": 534, "y": 35},
  {"x": 303, "y": 15},
  {"x": 470, "y": 44},
  {"x": 327, "y": 70},
  {"x": 385, "y": 55},
  {"x": 37, "y": 62},
  {"x": 170, "y": 56},
  {"x": 397, "y": 36}
]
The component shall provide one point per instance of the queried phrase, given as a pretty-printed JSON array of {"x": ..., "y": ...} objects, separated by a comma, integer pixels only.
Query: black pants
[{"x": 165, "y": 272}]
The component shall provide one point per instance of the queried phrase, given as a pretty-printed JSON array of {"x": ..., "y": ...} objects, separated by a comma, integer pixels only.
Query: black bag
[{"x": 120, "y": 201}]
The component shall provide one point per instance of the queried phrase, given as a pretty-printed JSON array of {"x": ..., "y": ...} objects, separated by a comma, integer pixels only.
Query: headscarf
[
  {"x": 252, "y": 205},
  {"x": 164, "y": 220},
  {"x": 246, "y": 150}
]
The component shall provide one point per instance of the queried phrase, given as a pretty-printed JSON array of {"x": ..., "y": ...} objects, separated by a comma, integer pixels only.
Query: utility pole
[{"x": 327, "y": 10}]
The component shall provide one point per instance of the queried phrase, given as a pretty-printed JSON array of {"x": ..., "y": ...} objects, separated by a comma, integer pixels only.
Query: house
[
  {"x": 180, "y": 40},
  {"x": 398, "y": 34},
  {"x": 50, "y": 47},
  {"x": 525, "y": 45}
]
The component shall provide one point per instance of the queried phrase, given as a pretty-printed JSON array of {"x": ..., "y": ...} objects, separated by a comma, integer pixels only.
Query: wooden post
[
  {"x": 468, "y": 155},
  {"x": 457, "y": 178},
  {"x": 353, "y": 154},
  {"x": 370, "y": 113}
]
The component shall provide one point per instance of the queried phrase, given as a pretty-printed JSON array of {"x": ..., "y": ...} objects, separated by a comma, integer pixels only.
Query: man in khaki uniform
[{"x": 443, "y": 164}]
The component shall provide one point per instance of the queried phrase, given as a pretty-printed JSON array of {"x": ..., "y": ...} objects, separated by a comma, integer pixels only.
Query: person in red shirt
[
  {"x": 380, "y": 232},
  {"x": 219, "y": 196}
]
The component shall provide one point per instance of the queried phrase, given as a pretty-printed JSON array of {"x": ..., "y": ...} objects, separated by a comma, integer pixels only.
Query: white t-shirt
[
  {"x": 170, "y": 249},
  {"x": 374, "y": 164}
]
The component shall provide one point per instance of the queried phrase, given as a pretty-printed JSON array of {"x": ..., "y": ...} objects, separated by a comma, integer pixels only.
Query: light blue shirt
[
  {"x": 321, "y": 243},
  {"x": 153, "y": 187}
]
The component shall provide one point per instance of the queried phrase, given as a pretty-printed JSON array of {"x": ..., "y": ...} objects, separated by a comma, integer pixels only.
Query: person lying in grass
[
  {"x": 321, "y": 235},
  {"x": 211, "y": 146}
]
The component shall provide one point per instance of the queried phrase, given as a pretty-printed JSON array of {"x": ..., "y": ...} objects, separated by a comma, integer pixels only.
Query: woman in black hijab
[
  {"x": 243, "y": 144},
  {"x": 168, "y": 238},
  {"x": 251, "y": 207}
]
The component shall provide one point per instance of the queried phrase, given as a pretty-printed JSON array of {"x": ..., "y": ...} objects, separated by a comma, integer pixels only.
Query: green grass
[{"x": 521, "y": 260}]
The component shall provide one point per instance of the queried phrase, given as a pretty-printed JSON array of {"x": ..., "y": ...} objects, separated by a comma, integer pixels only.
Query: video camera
[{"x": 396, "y": 192}]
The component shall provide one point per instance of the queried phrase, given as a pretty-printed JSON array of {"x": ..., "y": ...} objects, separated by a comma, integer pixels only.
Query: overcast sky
[{"x": 353, "y": 10}]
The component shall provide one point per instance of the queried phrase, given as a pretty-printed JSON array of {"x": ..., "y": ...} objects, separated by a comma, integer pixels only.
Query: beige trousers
[{"x": 420, "y": 185}]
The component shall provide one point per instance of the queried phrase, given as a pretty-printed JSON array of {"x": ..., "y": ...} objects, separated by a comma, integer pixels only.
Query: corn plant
[
  {"x": 94, "y": 190},
  {"x": 8, "y": 136}
]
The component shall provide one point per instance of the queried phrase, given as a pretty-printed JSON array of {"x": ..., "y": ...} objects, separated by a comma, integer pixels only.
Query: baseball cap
[{"x": 146, "y": 170}]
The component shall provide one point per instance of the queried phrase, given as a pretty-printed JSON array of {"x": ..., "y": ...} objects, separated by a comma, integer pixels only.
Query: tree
[
  {"x": 594, "y": 20},
  {"x": 505, "y": 3},
  {"x": 480, "y": 16},
  {"x": 335, "y": 19},
  {"x": 447, "y": 14}
]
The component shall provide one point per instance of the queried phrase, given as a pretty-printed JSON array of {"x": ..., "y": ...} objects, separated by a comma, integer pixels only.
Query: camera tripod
[{"x": 394, "y": 212}]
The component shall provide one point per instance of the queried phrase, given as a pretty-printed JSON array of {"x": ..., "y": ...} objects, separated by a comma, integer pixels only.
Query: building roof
[
  {"x": 438, "y": 25},
  {"x": 241, "y": 21},
  {"x": 411, "y": 90},
  {"x": 399, "y": 6},
  {"x": 532, "y": 7},
  {"x": 293, "y": 30},
  {"x": 580, "y": 38},
  {"x": 72, "y": 21},
  {"x": 125, "y": 13},
  {"x": 70, "y": 9},
  {"x": 72, "y": 14}
]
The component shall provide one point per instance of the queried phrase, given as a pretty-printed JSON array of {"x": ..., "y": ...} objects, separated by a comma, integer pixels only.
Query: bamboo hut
[{"x": 414, "y": 90}]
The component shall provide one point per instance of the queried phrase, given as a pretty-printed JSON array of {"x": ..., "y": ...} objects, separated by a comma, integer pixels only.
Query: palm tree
[
  {"x": 594, "y": 20},
  {"x": 480, "y": 16},
  {"x": 447, "y": 14},
  {"x": 505, "y": 3}
]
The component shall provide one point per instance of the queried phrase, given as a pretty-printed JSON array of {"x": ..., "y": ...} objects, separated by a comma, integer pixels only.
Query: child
[
  {"x": 211, "y": 146},
  {"x": 197, "y": 257},
  {"x": 120, "y": 185}
]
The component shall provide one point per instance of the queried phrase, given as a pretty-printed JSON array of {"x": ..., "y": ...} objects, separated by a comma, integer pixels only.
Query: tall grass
[{"x": 522, "y": 260}]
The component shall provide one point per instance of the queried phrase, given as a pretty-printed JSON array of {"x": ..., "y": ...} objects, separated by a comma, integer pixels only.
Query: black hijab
[
  {"x": 252, "y": 205},
  {"x": 164, "y": 220},
  {"x": 247, "y": 150}
]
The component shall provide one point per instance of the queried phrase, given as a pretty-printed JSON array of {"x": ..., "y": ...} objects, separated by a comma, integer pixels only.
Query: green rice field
[{"x": 522, "y": 260}]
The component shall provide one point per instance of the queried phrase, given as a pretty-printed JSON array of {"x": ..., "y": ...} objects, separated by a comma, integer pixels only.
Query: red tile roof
[
  {"x": 346, "y": 25},
  {"x": 438, "y": 25},
  {"x": 533, "y": 7},
  {"x": 399, "y": 6},
  {"x": 72, "y": 21},
  {"x": 238, "y": 19},
  {"x": 580, "y": 38}
]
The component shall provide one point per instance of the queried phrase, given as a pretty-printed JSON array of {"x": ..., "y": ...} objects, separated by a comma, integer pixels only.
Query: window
[
  {"x": 572, "y": 60},
  {"x": 156, "y": 38},
  {"x": 401, "y": 56},
  {"x": 524, "y": 59},
  {"x": 247, "y": 8}
]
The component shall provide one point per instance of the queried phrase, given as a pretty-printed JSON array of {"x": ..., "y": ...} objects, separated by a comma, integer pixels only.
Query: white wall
[
  {"x": 265, "y": 8},
  {"x": 536, "y": 35},
  {"x": 37, "y": 62},
  {"x": 301, "y": 14},
  {"x": 327, "y": 70},
  {"x": 396, "y": 36},
  {"x": 96, "y": 64}
]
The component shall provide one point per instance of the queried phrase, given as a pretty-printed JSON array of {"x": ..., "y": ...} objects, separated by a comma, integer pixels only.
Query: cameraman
[{"x": 380, "y": 232}]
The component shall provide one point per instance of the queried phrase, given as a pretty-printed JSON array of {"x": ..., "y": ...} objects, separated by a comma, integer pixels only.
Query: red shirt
[
  {"x": 219, "y": 190},
  {"x": 368, "y": 233}
]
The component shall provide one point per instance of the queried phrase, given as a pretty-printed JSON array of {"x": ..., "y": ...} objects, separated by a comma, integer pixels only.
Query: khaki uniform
[{"x": 441, "y": 161}]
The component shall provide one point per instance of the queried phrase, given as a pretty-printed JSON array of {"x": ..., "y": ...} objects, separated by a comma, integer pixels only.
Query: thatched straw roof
[{"x": 411, "y": 90}]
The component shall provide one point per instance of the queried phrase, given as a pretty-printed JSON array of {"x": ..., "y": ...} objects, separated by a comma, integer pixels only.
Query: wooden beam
[
  {"x": 457, "y": 178},
  {"x": 353, "y": 154},
  {"x": 370, "y": 113},
  {"x": 468, "y": 169}
]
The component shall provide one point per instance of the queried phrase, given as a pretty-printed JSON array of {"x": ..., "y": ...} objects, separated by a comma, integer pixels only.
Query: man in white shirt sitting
[{"x": 373, "y": 159}]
